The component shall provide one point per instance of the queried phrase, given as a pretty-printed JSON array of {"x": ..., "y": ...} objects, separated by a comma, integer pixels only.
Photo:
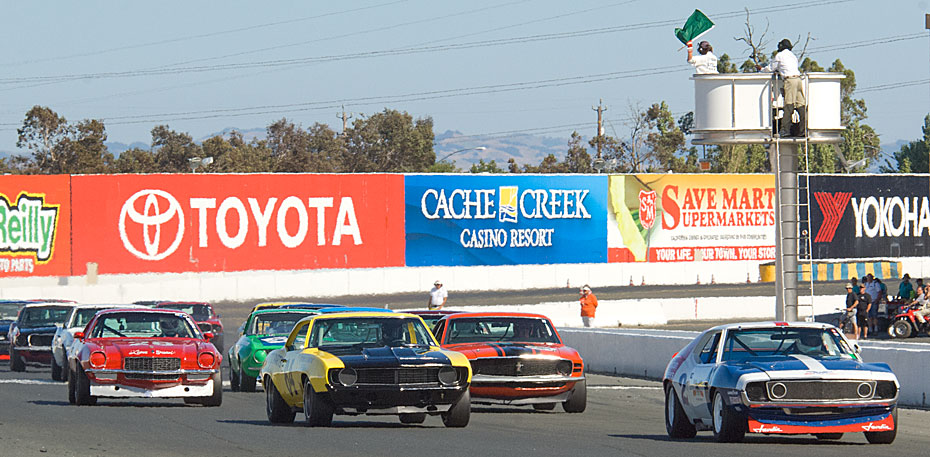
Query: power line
[
  {"x": 391, "y": 52},
  {"x": 200, "y": 36}
]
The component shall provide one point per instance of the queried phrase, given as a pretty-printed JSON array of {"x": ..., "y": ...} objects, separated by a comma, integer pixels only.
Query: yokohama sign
[
  {"x": 179, "y": 223},
  {"x": 870, "y": 216}
]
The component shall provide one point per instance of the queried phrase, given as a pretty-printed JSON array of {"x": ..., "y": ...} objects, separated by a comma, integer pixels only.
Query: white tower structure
[{"x": 741, "y": 108}]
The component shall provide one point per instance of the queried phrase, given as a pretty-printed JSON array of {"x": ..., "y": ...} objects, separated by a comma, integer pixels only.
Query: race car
[
  {"x": 204, "y": 315},
  {"x": 517, "y": 359},
  {"x": 264, "y": 331},
  {"x": 432, "y": 316},
  {"x": 9, "y": 309},
  {"x": 77, "y": 318},
  {"x": 365, "y": 363},
  {"x": 144, "y": 353},
  {"x": 31, "y": 334},
  {"x": 778, "y": 378}
]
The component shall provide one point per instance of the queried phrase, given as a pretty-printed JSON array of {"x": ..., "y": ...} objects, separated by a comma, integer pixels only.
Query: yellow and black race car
[{"x": 365, "y": 363}]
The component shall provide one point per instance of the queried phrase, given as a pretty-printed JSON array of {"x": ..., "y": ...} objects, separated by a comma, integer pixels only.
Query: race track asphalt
[{"x": 624, "y": 417}]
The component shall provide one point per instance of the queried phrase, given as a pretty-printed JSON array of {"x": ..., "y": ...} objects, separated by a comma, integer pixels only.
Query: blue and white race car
[{"x": 778, "y": 378}]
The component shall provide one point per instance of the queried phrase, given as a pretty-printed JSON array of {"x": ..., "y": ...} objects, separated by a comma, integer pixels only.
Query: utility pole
[
  {"x": 600, "y": 124},
  {"x": 345, "y": 119}
]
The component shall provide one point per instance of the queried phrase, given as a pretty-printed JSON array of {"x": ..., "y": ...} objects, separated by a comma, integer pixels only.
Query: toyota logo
[{"x": 151, "y": 216}]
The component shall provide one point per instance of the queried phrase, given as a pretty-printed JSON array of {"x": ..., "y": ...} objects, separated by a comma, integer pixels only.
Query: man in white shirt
[
  {"x": 437, "y": 296},
  {"x": 785, "y": 64},
  {"x": 706, "y": 62}
]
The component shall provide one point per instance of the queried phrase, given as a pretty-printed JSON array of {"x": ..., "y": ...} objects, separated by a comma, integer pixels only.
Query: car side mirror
[
  {"x": 79, "y": 335},
  {"x": 207, "y": 336}
]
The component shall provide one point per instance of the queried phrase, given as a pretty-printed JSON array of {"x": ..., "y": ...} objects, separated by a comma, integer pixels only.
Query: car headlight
[
  {"x": 755, "y": 391},
  {"x": 564, "y": 367},
  {"x": 885, "y": 390},
  {"x": 347, "y": 376},
  {"x": 260, "y": 355},
  {"x": 448, "y": 376}
]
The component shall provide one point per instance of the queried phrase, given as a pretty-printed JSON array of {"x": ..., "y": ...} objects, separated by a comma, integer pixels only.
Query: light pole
[{"x": 479, "y": 148}]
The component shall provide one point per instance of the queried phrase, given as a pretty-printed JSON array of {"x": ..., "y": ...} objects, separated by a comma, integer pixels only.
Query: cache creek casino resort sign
[{"x": 505, "y": 220}]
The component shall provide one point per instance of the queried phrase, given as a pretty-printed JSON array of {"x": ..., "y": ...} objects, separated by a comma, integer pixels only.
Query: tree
[
  {"x": 549, "y": 164},
  {"x": 135, "y": 161},
  {"x": 237, "y": 156},
  {"x": 577, "y": 159},
  {"x": 486, "y": 167},
  {"x": 84, "y": 150},
  {"x": 42, "y": 131},
  {"x": 389, "y": 141},
  {"x": 667, "y": 141},
  {"x": 173, "y": 150},
  {"x": 913, "y": 156}
]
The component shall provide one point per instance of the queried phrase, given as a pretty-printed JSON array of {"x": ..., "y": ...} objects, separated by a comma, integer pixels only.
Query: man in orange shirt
[{"x": 588, "y": 306}]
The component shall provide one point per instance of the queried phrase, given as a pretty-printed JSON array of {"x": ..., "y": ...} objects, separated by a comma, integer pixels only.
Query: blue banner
[{"x": 505, "y": 219}]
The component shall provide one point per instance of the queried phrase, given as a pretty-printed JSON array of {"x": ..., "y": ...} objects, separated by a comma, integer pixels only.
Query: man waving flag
[{"x": 698, "y": 24}]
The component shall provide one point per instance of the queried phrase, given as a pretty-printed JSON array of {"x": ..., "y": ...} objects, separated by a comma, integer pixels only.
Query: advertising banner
[
  {"x": 35, "y": 218},
  {"x": 869, "y": 216},
  {"x": 691, "y": 218},
  {"x": 505, "y": 220},
  {"x": 202, "y": 223}
]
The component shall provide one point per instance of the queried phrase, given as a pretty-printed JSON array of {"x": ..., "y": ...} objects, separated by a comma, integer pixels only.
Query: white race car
[{"x": 64, "y": 337}]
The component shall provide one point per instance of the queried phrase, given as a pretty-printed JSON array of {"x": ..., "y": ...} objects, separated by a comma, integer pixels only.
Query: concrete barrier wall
[{"x": 645, "y": 353}]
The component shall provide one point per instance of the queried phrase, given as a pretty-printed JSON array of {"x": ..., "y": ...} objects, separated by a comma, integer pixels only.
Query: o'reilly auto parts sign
[{"x": 870, "y": 216}]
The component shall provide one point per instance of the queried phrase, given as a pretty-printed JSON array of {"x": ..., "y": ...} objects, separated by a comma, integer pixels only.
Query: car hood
[
  {"x": 37, "y": 330},
  {"x": 266, "y": 342},
  {"x": 392, "y": 356},
  {"x": 177, "y": 347},
  {"x": 479, "y": 350},
  {"x": 772, "y": 366}
]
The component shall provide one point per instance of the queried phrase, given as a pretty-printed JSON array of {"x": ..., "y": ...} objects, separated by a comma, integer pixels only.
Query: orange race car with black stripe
[{"x": 516, "y": 359}]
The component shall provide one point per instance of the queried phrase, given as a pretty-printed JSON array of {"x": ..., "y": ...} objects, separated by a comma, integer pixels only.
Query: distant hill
[{"x": 524, "y": 149}]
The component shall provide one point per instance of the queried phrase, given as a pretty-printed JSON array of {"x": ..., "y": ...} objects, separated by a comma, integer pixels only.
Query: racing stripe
[
  {"x": 810, "y": 362},
  {"x": 497, "y": 348}
]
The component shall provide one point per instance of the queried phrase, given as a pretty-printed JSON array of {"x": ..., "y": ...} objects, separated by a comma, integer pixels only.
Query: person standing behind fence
[
  {"x": 862, "y": 312},
  {"x": 852, "y": 300},
  {"x": 437, "y": 296},
  {"x": 905, "y": 289},
  {"x": 588, "y": 306},
  {"x": 874, "y": 288}
]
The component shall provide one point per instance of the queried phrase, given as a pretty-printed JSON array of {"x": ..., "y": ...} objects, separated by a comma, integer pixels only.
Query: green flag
[{"x": 697, "y": 25}]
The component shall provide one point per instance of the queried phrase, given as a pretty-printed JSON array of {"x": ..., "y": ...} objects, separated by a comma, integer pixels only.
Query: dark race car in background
[
  {"x": 778, "y": 378},
  {"x": 516, "y": 359},
  {"x": 32, "y": 333},
  {"x": 207, "y": 319},
  {"x": 432, "y": 316},
  {"x": 9, "y": 309}
]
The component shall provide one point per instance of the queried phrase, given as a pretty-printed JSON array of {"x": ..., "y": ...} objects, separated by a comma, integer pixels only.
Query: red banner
[
  {"x": 35, "y": 218},
  {"x": 201, "y": 223}
]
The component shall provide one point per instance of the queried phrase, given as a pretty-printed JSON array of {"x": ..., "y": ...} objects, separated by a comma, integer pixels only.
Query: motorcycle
[{"x": 905, "y": 324}]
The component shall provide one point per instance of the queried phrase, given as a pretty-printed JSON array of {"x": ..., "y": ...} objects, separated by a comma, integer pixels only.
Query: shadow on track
[
  {"x": 336, "y": 424},
  {"x": 709, "y": 439},
  {"x": 114, "y": 404}
]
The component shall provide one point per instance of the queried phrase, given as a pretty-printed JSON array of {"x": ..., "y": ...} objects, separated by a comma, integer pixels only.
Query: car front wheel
[
  {"x": 16, "y": 361},
  {"x": 278, "y": 411},
  {"x": 885, "y": 437},
  {"x": 677, "y": 424},
  {"x": 579, "y": 399},
  {"x": 460, "y": 412},
  {"x": 82, "y": 394},
  {"x": 728, "y": 426},
  {"x": 317, "y": 411}
]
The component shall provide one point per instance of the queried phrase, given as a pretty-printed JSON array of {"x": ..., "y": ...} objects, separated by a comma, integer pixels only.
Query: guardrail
[{"x": 645, "y": 353}]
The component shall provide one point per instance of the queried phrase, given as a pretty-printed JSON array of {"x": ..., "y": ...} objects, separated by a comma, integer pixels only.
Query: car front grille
[
  {"x": 40, "y": 339},
  {"x": 152, "y": 376},
  {"x": 514, "y": 366},
  {"x": 387, "y": 376},
  {"x": 152, "y": 364},
  {"x": 819, "y": 390}
]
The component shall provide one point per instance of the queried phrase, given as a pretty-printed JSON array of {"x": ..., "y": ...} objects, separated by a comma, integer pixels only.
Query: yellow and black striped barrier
[{"x": 838, "y": 271}]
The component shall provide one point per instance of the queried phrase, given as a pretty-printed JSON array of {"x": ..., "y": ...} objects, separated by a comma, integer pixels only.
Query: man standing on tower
[{"x": 785, "y": 64}]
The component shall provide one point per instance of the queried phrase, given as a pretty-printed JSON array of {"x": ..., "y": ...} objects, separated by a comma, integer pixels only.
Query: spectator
[
  {"x": 918, "y": 283},
  {"x": 855, "y": 284},
  {"x": 874, "y": 289},
  {"x": 862, "y": 312},
  {"x": 852, "y": 300},
  {"x": 923, "y": 301},
  {"x": 905, "y": 289},
  {"x": 706, "y": 62},
  {"x": 437, "y": 296},
  {"x": 588, "y": 306}
]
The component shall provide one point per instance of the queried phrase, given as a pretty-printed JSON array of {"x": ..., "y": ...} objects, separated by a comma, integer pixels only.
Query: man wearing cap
[
  {"x": 785, "y": 63},
  {"x": 437, "y": 296},
  {"x": 852, "y": 301},
  {"x": 588, "y": 306}
]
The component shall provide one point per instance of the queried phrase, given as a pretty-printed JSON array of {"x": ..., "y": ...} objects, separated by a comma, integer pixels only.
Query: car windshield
[
  {"x": 83, "y": 316},
  {"x": 496, "y": 329},
  {"x": 8, "y": 311},
  {"x": 44, "y": 316},
  {"x": 361, "y": 332},
  {"x": 274, "y": 323},
  {"x": 762, "y": 342},
  {"x": 199, "y": 311},
  {"x": 142, "y": 325}
]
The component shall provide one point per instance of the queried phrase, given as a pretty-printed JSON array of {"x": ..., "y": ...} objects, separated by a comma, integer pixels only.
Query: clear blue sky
[{"x": 201, "y": 67}]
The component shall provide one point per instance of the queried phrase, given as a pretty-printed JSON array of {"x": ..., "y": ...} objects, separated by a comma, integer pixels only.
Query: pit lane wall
[
  {"x": 645, "y": 353},
  {"x": 241, "y": 237}
]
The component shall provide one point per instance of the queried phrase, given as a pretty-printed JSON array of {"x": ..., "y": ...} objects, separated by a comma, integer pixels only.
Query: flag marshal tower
[{"x": 747, "y": 108}]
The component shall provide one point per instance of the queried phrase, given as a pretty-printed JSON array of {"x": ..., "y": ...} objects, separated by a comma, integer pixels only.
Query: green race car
[{"x": 264, "y": 331}]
